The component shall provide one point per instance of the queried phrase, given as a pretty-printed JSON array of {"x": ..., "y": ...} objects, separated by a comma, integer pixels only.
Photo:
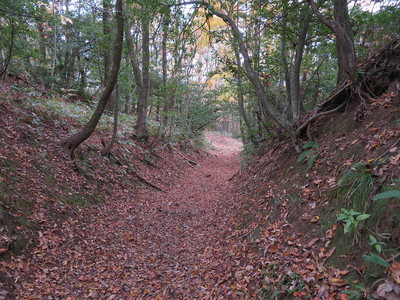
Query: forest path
[{"x": 157, "y": 245}]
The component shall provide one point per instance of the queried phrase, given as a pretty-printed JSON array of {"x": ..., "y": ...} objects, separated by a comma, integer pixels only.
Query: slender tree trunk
[
  {"x": 164, "y": 67},
  {"x": 242, "y": 109},
  {"x": 42, "y": 45},
  {"x": 54, "y": 54},
  {"x": 4, "y": 64},
  {"x": 71, "y": 143},
  {"x": 107, "y": 31},
  {"x": 141, "y": 124},
  {"x": 106, "y": 150},
  {"x": 295, "y": 74},
  {"x": 284, "y": 56},
  {"x": 129, "y": 98},
  {"x": 137, "y": 72}
]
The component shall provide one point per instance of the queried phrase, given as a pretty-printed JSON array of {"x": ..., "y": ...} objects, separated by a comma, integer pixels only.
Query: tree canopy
[{"x": 188, "y": 65}]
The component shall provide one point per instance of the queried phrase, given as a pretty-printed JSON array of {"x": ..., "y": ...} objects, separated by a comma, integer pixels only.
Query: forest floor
[
  {"x": 168, "y": 244},
  {"x": 174, "y": 222}
]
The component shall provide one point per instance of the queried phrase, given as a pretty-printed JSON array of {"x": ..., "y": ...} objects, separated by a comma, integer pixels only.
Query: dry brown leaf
[
  {"x": 314, "y": 219},
  {"x": 395, "y": 270},
  {"x": 338, "y": 281},
  {"x": 312, "y": 242},
  {"x": 273, "y": 248}
]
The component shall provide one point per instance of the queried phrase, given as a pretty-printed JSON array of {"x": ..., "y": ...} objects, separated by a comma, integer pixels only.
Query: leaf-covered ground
[
  {"x": 136, "y": 242},
  {"x": 98, "y": 228}
]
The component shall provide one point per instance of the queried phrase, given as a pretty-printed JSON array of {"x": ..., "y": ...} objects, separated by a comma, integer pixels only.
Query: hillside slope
[{"x": 289, "y": 209}]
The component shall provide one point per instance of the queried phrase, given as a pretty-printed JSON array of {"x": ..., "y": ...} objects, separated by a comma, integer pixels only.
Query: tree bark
[
  {"x": 242, "y": 109},
  {"x": 284, "y": 55},
  {"x": 71, "y": 143},
  {"x": 4, "y": 64},
  {"x": 137, "y": 72},
  {"x": 344, "y": 38},
  {"x": 107, "y": 32},
  {"x": 295, "y": 73},
  {"x": 141, "y": 124},
  {"x": 106, "y": 150},
  {"x": 342, "y": 18},
  {"x": 164, "y": 67}
]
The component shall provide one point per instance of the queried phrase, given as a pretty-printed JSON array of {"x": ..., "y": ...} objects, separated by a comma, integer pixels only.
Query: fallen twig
[
  {"x": 146, "y": 182},
  {"x": 191, "y": 162},
  {"x": 233, "y": 176}
]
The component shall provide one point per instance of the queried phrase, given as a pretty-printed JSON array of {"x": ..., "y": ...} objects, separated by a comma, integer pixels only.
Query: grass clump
[{"x": 357, "y": 186}]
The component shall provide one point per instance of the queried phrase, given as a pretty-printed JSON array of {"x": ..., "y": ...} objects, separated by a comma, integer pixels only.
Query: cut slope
[{"x": 289, "y": 229}]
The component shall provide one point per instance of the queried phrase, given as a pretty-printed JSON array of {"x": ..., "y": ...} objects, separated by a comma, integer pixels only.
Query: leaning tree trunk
[{"x": 71, "y": 143}]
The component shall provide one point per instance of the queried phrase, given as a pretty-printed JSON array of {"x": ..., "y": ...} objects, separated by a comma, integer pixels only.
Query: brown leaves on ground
[{"x": 206, "y": 235}]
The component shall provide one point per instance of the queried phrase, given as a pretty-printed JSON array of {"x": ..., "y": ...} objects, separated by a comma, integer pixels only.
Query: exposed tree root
[{"x": 375, "y": 77}]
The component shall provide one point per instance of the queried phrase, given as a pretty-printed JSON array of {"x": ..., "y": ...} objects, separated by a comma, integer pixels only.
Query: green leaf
[
  {"x": 372, "y": 257},
  {"x": 373, "y": 239},
  {"x": 347, "y": 226},
  {"x": 310, "y": 145},
  {"x": 363, "y": 217},
  {"x": 378, "y": 248},
  {"x": 387, "y": 195},
  {"x": 354, "y": 213},
  {"x": 311, "y": 161},
  {"x": 345, "y": 211},
  {"x": 304, "y": 154},
  {"x": 342, "y": 217}
]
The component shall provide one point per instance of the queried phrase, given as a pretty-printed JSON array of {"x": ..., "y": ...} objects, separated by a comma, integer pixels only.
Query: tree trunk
[
  {"x": 42, "y": 45},
  {"x": 54, "y": 54},
  {"x": 106, "y": 150},
  {"x": 164, "y": 67},
  {"x": 242, "y": 109},
  {"x": 295, "y": 73},
  {"x": 141, "y": 125},
  {"x": 284, "y": 56},
  {"x": 4, "y": 63},
  {"x": 107, "y": 31},
  {"x": 71, "y": 143},
  {"x": 344, "y": 38},
  {"x": 342, "y": 18}
]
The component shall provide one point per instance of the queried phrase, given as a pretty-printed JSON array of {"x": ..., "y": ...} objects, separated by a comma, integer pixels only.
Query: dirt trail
[{"x": 158, "y": 245}]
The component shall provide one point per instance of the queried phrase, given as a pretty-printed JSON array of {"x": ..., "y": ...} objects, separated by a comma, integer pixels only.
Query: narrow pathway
[{"x": 157, "y": 245}]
